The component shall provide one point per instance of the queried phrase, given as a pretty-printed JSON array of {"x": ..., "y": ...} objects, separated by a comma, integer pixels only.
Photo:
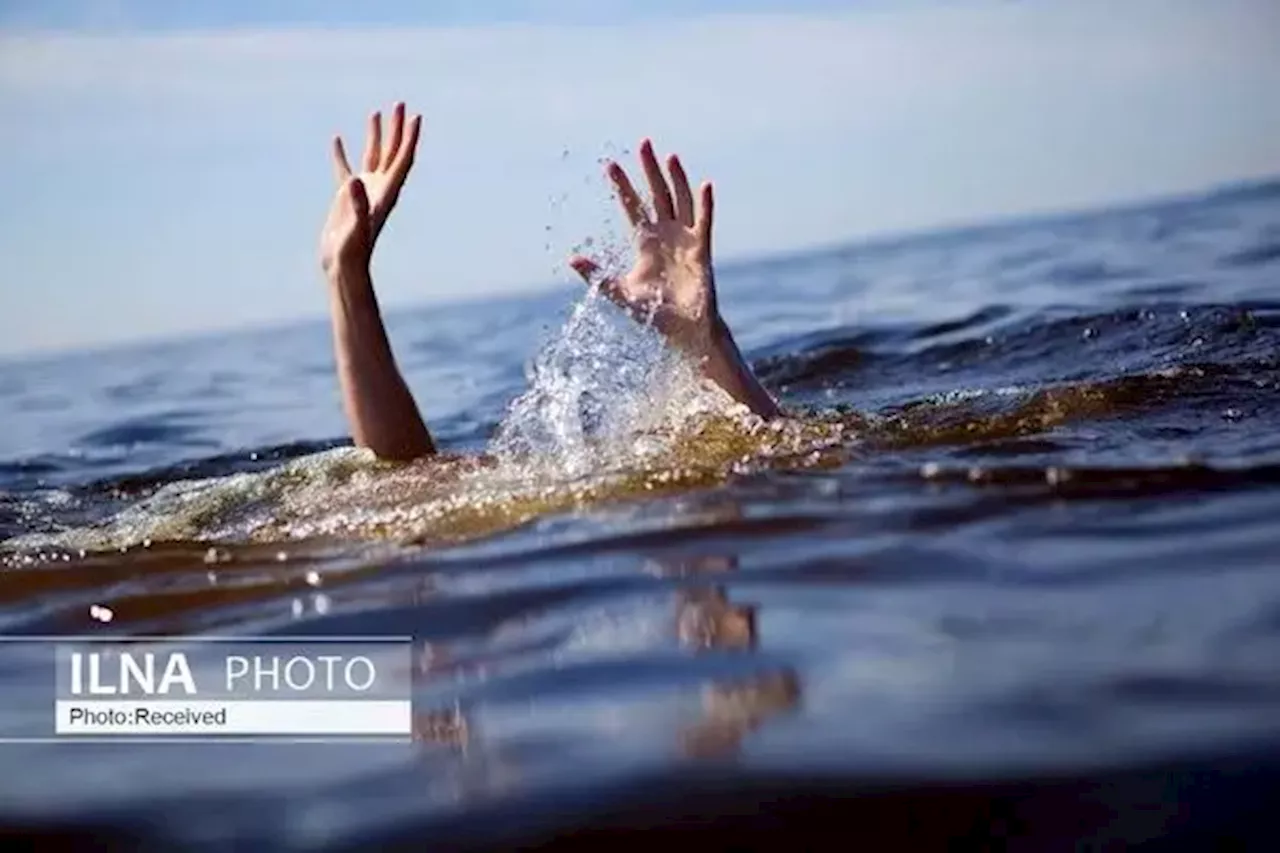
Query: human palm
[
  {"x": 671, "y": 283},
  {"x": 364, "y": 200}
]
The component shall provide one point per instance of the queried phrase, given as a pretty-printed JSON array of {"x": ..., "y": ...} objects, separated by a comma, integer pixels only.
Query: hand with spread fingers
[
  {"x": 365, "y": 200},
  {"x": 672, "y": 282}
]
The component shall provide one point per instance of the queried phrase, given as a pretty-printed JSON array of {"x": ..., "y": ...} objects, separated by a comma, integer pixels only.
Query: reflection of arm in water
[
  {"x": 672, "y": 282},
  {"x": 379, "y": 407}
]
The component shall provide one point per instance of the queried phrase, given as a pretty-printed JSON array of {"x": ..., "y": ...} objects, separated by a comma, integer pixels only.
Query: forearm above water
[
  {"x": 380, "y": 409},
  {"x": 725, "y": 366}
]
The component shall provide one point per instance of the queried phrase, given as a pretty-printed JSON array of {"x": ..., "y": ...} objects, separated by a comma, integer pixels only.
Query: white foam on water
[{"x": 600, "y": 394}]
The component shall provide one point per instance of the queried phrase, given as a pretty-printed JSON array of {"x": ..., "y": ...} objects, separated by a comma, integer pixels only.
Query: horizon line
[{"x": 872, "y": 241}]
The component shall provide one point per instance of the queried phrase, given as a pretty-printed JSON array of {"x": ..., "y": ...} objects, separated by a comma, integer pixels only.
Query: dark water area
[{"x": 1009, "y": 576}]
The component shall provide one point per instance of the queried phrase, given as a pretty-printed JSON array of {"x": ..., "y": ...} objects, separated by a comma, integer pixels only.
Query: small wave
[
  {"x": 1260, "y": 190},
  {"x": 185, "y": 510},
  {"x": 1090, "y": 272},
  {"x": 173, "y": 428},
  {"x": 1254, "y": 256}
]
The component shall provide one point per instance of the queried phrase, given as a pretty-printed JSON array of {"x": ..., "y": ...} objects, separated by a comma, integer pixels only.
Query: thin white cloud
[{"x": 734, "y": 56}]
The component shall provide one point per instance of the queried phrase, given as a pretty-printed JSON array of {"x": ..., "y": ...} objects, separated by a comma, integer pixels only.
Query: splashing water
[{"x": 600, "y": 393}]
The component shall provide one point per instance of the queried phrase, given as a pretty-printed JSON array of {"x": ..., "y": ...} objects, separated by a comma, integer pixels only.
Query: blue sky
[
  {"x": 177, "y": 15},
  {"x": 166, "y": 169}
]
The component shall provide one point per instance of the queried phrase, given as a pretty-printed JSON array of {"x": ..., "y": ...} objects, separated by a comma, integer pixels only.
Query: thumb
[
  {"x": 359, "y": 198},
  {"x": 584, "y": 267},
  {"x": 590, "y": 272}
]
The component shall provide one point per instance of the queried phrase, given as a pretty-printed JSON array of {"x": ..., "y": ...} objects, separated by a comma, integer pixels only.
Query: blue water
[{"x": 1022, "y": 527}]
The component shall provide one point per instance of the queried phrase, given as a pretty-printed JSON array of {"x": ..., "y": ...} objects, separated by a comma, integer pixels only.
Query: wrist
[
  {"x": 345, "y": 273},
  {"x": 351, "y": 292}
]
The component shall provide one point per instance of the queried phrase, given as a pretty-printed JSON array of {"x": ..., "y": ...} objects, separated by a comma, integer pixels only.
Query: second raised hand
[{"x": 672, "y": 282}]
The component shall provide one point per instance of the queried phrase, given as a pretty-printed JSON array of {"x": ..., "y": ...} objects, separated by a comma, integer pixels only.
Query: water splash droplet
[{"x": 596, "y": 391}]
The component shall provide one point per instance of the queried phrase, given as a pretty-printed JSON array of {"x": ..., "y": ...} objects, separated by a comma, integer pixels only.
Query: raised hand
[
  {"x": 672, "y": 283},
  {"x": 380, "y": 409},
  {"x": 364, "y": 200}
]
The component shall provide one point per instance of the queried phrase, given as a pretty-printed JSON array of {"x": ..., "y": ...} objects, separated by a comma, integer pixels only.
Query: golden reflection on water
[{"x": 705, "y": 621}]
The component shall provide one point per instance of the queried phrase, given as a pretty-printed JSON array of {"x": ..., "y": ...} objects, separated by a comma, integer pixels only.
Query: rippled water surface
[{"x": 1022, "y": 523}]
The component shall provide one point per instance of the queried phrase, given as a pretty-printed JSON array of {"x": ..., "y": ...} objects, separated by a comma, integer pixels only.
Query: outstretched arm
[
  {"x": 380, "y": 410},
  {"x": 672, "y": 284}
]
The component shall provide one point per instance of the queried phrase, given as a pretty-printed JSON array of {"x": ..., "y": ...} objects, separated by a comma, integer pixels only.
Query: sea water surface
[{"x": 1021, "y": 525}]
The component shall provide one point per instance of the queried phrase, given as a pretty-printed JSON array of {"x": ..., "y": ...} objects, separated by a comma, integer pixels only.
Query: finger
[
  {"x": 341, "y": 167},
  {"x": 584, "y": 267},
  {"x": 359, "y": 198},
  {"x": 590, "y": 270},
  {"x": 397, "y": 134},
  {"x": 404, "y": 156},
  {"x": 705, "y": 215},
  {"x": 631, "y": 204},
  {"x": 658, "y": 188},
  {"x": 373, "y": 143},
  {"x": 684, "y": 196}
]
